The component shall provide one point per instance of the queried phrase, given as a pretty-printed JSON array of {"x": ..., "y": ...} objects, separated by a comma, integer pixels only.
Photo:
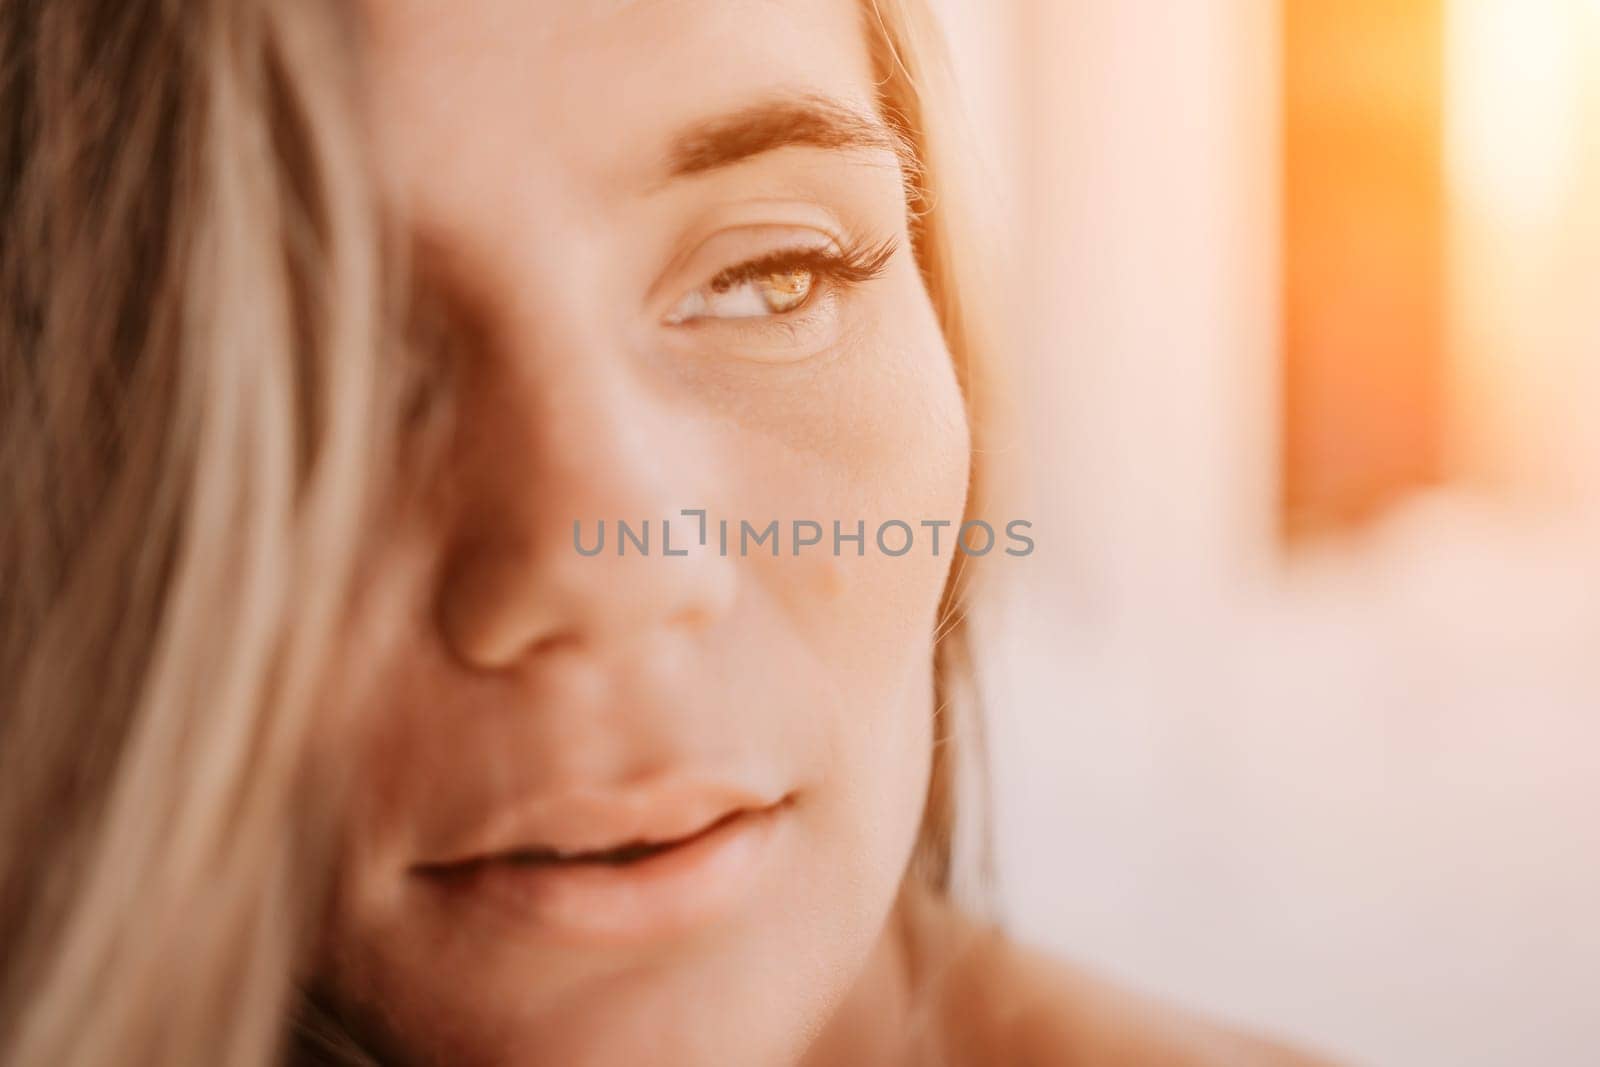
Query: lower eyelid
[{"x": 795, "y": 326}]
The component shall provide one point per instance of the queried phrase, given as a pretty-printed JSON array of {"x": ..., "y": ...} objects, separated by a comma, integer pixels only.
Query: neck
[{"x": 878, "y": 1021}]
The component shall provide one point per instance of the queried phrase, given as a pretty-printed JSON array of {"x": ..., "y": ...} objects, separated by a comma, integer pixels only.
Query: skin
[{"x": 527, "y": 146}]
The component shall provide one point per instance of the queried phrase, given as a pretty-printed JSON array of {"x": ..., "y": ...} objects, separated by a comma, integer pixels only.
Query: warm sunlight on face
[{"x": 648, "y": 809}]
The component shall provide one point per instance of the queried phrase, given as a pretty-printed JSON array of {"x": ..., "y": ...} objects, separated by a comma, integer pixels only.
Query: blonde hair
[
  {"x": 188, "y": 351},
  {"x": 918, "y": 96},
  {"x": 195, "y": 437}
]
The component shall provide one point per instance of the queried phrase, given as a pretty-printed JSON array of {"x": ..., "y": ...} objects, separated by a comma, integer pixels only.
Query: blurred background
[{"x": 1296, "y": 715}]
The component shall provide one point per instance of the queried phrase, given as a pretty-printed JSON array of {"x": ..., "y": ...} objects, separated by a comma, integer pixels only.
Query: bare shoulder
[{"x": 1001, "y": 1003}]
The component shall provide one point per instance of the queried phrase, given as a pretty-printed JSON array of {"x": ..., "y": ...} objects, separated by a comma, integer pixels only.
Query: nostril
[
  {"x": 483, "y": 627},
  {"x": 557, "y": 642}
]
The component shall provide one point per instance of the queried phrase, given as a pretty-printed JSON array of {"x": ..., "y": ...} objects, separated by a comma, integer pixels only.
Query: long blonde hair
[
  {"x": 918, "y": 96},
  {"x": 194, "y": 437},
  {"x": 188, "y": 352}
]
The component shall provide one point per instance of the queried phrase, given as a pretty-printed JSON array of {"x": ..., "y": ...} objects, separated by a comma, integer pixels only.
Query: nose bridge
[
  {"x": 565, "y": 425},
  {"x": 594, "y": 436},
  {"x": 558, "y": 397}
]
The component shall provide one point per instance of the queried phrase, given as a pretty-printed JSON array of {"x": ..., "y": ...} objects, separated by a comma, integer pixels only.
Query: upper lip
[{"x": 587, "y": 823}]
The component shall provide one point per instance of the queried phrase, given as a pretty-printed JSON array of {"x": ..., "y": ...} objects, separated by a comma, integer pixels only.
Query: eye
[
  {"x": 774, "y": 292},
  {"x": 780, "y": 283}
]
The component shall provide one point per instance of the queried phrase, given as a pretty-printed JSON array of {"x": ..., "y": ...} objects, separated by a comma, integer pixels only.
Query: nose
[{"x": 549, "y": 445}]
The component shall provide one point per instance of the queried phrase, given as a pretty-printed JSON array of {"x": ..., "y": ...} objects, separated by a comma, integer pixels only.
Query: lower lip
[{"x": 683, "y": 887}]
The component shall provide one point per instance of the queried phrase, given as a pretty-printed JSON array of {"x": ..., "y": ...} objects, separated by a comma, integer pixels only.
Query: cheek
[
  {"x": 875, "y": 433},
  {"x": 870, "y": 437}
]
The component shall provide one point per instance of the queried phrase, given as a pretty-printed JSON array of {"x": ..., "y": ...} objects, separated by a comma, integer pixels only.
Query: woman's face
[{"x": 673, "y": 234}]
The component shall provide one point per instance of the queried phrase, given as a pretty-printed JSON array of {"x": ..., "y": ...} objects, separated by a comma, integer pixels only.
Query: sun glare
[{"x": 1513, "y": 86}]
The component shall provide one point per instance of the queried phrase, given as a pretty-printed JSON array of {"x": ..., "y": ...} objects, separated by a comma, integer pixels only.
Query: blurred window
[{"x": 1363, "y": 258}]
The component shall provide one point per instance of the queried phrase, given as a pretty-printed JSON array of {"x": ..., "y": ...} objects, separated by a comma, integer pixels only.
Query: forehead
[{"x": 593, "y": 88}]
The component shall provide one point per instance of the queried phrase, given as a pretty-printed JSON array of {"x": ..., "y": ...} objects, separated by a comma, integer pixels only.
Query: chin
[{"x": 752, "y": 987}]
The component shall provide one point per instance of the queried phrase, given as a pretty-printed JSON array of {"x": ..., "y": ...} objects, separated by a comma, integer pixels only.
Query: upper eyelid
[
  {"x": 784, "y": 258},
  {"x": 852, "y": 262}
]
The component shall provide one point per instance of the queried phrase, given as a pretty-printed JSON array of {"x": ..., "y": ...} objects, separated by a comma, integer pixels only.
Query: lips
[
  {"x": 617, "y": 867},
  {"x": 621, "y": 855},
  {"x": 592, "y": 821}
]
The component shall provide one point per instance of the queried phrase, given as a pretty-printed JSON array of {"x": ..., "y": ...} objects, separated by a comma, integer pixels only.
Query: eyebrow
[{"x": 788, "y": 122}]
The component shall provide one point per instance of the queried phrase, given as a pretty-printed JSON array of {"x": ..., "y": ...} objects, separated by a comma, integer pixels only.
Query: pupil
[{"x": 785, "y": 290}]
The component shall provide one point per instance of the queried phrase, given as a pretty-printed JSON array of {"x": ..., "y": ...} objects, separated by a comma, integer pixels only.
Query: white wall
[{"x": 1348, "y": 794}]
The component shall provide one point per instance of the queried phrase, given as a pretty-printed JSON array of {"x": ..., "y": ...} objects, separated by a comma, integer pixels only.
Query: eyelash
[{"x": 852, "y": 264}]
